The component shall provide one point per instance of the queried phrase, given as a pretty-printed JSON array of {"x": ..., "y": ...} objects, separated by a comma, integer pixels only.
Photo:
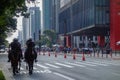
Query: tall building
[
  {"x": 55, "y": 7},
  {"x": 90, "y": 18},
  {"x": 25, "y": 31},
  {"x": 32, "y": 25},
  {"x": 20, "y": 37},
  {"x": 46, "y": 14}
]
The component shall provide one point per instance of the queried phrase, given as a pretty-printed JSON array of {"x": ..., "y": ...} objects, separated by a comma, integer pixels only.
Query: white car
[{"x": 2, "y": 50}]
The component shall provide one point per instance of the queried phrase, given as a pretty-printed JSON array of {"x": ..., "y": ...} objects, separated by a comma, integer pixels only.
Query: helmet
[
  {"x": 15, "y": 40},
  {"x": 30, "y": 39}
]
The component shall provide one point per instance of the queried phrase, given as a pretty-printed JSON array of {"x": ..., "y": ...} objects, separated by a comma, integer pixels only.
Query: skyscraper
[{"x": 31, "y": 25}]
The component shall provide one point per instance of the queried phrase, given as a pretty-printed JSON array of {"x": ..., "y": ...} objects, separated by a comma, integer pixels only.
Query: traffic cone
[
  {"x": 48, "y": 53},
  {"x": 55, "y": 55},
  {"x": 39, "y": 52},
  {"x": 43, "y": 53},
  {"x": 111, "y": 55},
  {"x": 74, "y": 56},
  {"x": 65, "y": 56},
  {"x": 83, "y": 57},
  {"x": 97, "y": 54}
]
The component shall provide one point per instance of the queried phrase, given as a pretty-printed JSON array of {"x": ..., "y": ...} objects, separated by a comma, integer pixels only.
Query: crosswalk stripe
[
  {"x": 52, "y": 65},
  {"x": 42, "y": 66},
  {"x": 21, "y": 68},
  {"x": 61, "y": 75},
  {"x": 97, "y": 63},
  {"x": 34, "y": 68},
  {"x": 64, "y": 65},
  {"x": 75, "y": 64},
  {"x": 85, "y": 64},
  {"x": 108, "y": 63}
]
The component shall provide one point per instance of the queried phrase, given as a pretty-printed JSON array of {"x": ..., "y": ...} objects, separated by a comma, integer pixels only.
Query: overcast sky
[{"x": 19, "y": 20}]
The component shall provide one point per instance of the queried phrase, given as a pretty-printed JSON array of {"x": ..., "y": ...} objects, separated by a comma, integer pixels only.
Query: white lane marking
[
  {"x": 61, "y": 75},
  {"x": 109, "y": 63},
  {"x": 21, "y": 68},
  {"x": 97, "y": 63},
  {"x": 23, "y": 72},
  {"x": 85, "y": 64},
  {"x": 75, "y": 64},
  {"x": 64, "y": 65},
  {"x": 42, "y": 66},
  {"x": 37, "y": 71},
  {"x": 34, "y": 68},
  {"x": 90, "y": 69},
  {"x": 116, "y": 74},
  {"x": 52, "y": 65}
]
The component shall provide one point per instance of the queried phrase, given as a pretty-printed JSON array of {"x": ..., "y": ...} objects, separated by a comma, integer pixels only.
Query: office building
[{"x": 90, "y": 18}]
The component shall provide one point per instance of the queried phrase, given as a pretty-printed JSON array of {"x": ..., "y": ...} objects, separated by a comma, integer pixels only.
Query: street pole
[
  {"x": 71, "y": 14},
  {"x": 39, "y": 40},
  {"x": 65, "y": 31}
]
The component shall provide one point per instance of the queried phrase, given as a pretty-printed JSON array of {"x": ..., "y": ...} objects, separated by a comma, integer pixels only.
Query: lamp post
[
  {"x": 71, "y": 24},
  {"x": 65, "y": 31},
  {"x": 39, "y": 40}
]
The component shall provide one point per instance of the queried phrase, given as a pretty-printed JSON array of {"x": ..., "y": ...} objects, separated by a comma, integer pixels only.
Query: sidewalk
[{"x": 5, "y": 66}]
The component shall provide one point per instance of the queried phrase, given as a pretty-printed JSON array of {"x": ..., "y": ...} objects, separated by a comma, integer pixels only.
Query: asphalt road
[{"x": 59, "y": 68}]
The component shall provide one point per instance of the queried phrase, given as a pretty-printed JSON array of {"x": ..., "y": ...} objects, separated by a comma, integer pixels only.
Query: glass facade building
[
  {"x": 85, "y": 14},
  {"x": 85, "y": 18}
]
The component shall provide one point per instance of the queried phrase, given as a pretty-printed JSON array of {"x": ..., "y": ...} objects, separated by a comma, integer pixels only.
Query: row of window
[{"x": 84, "y": 13}]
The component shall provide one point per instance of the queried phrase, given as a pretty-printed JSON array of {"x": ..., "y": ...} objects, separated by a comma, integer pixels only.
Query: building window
[{"x": 80, "y": 38}]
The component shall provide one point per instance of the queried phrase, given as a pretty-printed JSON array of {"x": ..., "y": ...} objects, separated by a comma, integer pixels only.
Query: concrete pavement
[{"x": 5, "y": 66}]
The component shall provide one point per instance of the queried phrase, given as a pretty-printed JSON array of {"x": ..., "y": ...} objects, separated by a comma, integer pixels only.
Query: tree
[
  {"x": 45, "y": 41},
  {"x": 48, "y": 38},
  {"x": 8, "y": 10},
  {"x": 51, "y": 34}
]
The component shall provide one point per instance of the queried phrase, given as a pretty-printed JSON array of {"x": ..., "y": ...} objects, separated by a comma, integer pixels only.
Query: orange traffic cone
[
  {"x": 65, "y": 56},
  {"x": 48, "y": 53},
  {"x": 74, "y": 56},
  {"x": 97, "y": 54},
  {"x": 83, "y": 57},
  {"x": 39, "y": 52},
  {"x": 43, "y": 53},
  {"x": 55, "y": 55},
  {"x": 111, "y": 55}
]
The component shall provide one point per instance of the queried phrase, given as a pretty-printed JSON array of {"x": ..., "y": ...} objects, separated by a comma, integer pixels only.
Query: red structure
[
  {"x": 114, "y": 24},
  {"x": 101, "y": 41},
  {"x": 67, "y": 41}
]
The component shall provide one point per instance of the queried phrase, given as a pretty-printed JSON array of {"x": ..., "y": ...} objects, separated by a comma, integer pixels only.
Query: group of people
[{"x": 15, "y": 53}]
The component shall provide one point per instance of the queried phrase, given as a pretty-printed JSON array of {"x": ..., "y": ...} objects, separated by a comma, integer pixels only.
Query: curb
[{"x": 6, "y": 72}]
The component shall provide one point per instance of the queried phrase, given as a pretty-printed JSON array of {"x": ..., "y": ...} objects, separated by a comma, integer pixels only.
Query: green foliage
[
  {"x": 51, "y": 34},
  {"x": 48, "y": 38},
  {"x": 8, "y": 10},
  {"x": 2, "y": 77}
]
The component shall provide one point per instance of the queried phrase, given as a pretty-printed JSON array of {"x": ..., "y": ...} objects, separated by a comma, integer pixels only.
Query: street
[{"x": 59, "y": 68}]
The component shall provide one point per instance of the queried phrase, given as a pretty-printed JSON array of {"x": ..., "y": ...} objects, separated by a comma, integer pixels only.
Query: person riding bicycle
[
  {"x": 30, "y": 50},
  {"x": 14, "y": 46}
]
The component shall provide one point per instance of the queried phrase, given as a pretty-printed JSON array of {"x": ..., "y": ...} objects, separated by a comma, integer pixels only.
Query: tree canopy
[
  {"x": 9, "y": 9},
  {"x": 48, "y": 38}
]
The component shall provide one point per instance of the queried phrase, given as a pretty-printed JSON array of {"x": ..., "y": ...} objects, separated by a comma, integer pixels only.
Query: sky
[
  {"x": 15, "y": 34},
  {"x": 19, "y": 22}
]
